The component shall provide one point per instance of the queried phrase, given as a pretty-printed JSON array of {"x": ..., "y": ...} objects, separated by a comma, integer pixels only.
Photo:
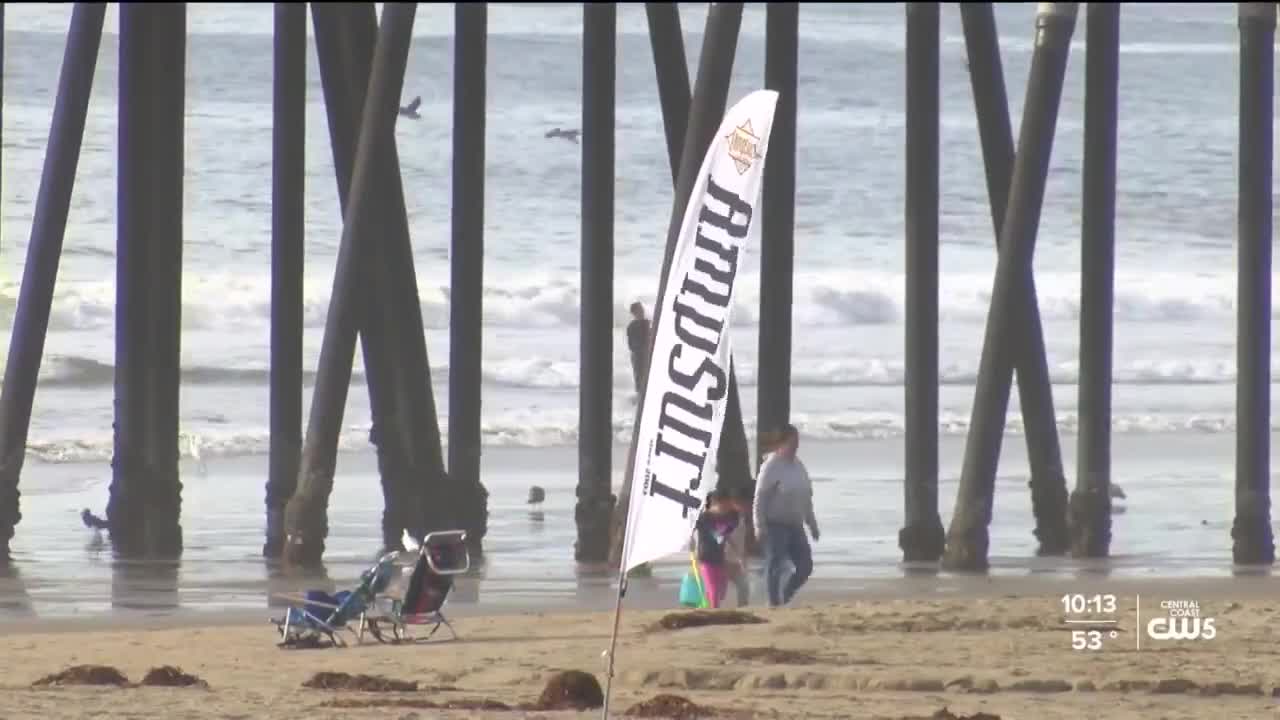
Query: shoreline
[{"x": 1175, "y": 524}]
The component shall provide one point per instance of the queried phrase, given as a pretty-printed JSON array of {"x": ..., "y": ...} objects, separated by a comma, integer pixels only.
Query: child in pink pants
[{"x": 712, "y": 530}]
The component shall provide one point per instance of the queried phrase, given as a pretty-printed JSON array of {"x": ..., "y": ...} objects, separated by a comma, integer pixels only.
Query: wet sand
[{"x": 1001, "y": 647}]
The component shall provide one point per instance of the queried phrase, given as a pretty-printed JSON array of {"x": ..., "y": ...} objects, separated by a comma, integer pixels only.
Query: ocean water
[{"x": 1175, "y": 293}]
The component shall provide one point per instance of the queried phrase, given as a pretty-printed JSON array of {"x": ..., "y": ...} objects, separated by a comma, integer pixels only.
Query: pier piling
[
  {"x": 375, "y": 295},
  {"x": 968, "y": 535},
  {"x": 922, "y": 538},
  {"x": 405, "y": 428},
  {"x": 1035, "y": 390},
  {"x": 345, "y": 38},
  {"x": 777, "y": 224},
  {"x": 40, "y": 272},
  {"x": 710, "y": 96},
  {"x": 466, "y": 286},
  {"x": 733, "y": 457},
  {"x": 288, "y": 210},
  {"x": 145, "y": 504},
  {"x": 1090, "y": 508},
  {"x": 1, "y": 97},
  {"x": 674, "y": 95},
  {"x": 406, "y": 431},
  {"x": 595, "y": 360},
  {"x": 306, "y": 515},
  {"x": 1251, "y": 531}
]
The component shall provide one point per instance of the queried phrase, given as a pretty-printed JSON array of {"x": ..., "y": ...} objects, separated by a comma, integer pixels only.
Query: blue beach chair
[{"x": 319, "y": 619}]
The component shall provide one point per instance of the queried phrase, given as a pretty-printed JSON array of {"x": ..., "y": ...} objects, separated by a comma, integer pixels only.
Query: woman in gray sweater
[{"x": 783, "y": 506}]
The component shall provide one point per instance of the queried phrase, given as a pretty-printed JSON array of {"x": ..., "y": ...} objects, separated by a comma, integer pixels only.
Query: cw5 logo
[{"x": 1181, "y": 628}]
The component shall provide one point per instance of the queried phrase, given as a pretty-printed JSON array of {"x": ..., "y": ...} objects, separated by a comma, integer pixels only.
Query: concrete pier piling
[
  {"x": 733, "y": 457},
  {"x": 968, "y": 535},
  {"x": 1090, "y": 509},
  {"x": 146, "y": 490},
  {"x": 710, "y": 97},
  {"x": 595, "y": 359},
  {"x": 375, "y": 299},
  {"x": 345, "y": 38},
  {"x": 922, "y": 538},
  {"x": 1251, "y": 533},
  {"x": 777, "y": 224},
  {"x": 288, "y": 223},
  {"x": 40, "y": 272},
  {"x": 674, "y": 94},
  {"x": 1, "y": 94},
  {"x": 1035, "y": 392},
  {"x": 466, "y": 286},
  {"x": 306, "y": 515}
]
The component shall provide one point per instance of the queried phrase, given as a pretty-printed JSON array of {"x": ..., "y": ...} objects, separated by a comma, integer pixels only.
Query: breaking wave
[
  {"x": 548, "y": 374},
  {"x": 559, "y": 429},
  {"x": 822, "y": 299}
]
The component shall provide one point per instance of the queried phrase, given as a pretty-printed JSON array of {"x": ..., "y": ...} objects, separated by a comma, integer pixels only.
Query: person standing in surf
[
  {"x": 711, "y": 536},
  {"x": 783, "y": 506},
  {"x": 638, "y": 344}
]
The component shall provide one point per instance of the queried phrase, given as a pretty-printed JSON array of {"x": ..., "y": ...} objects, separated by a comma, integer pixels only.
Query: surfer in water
[
  {"x": 638, "y": 343},
  {"x": 570, "y": 135},
  {"x": 411, "y": 110}
]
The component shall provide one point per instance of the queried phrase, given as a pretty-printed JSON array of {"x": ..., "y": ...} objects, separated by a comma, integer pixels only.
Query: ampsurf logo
[{"x": 1181, "y": 620}]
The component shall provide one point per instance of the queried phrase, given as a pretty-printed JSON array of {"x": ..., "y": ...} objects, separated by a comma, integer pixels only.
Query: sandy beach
[{"x": 1003, "y": 648}]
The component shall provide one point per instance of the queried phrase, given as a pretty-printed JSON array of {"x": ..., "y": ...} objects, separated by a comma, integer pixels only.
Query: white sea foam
[
  {"x": 558, "y": 427},
  {"x": 519, "y": 371},
  {"x": 836, "y": 298}
]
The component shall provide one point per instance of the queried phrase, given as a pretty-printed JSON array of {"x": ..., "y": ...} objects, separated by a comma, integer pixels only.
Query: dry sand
[{"x": 874, "y": 657}]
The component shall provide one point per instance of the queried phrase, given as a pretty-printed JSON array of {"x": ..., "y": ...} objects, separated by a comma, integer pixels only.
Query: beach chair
[
  {"x": 322, "y": 617},
  {"x": 442, "y": 555}
]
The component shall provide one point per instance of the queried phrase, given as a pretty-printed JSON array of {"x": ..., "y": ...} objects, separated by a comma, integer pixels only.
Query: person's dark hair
[{"x": 636, "y": 308}]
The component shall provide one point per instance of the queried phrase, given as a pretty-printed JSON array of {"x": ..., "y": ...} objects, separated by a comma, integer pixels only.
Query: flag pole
[
  {"x": 613, "y": 642},
  {"x": 706, "y": 110}
]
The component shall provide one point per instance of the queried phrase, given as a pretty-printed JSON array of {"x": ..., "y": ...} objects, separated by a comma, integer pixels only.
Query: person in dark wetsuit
[{"x": 638, "y": 344}]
